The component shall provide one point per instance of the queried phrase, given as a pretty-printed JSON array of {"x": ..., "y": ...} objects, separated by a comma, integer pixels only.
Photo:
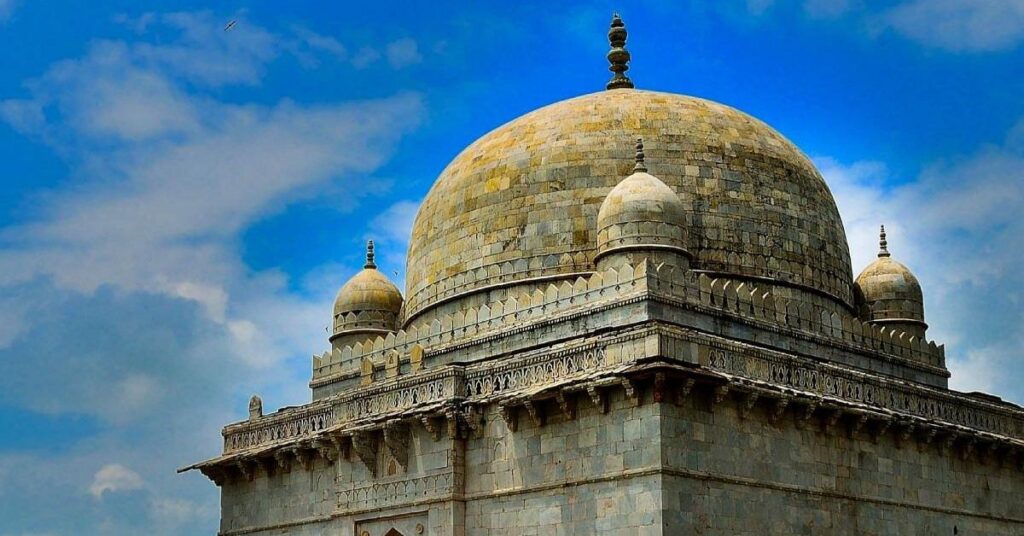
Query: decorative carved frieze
[
  {"x": 376, "y": 495},
  {"x": 304, "y": 422},
  {"x": 834, "y": 381}
]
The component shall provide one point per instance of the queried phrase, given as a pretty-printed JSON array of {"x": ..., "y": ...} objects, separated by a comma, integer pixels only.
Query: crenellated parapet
[
  {"x": 738, "y": 300},
  {"x": 665, "y": 362},
  {"x": 586, "y": 291}
]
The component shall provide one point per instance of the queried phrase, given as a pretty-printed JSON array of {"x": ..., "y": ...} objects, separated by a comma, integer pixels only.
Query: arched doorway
[{"x": 393, "y": 532}]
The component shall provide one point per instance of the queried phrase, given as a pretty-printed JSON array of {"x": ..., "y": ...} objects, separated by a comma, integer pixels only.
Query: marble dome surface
[{"x": 521, "y": 203}]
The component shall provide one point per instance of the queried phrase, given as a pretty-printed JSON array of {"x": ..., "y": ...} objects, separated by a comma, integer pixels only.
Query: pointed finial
[
  {"x": 369, "y": 255},
  {"x": 618, "y": 56},
  {"x": 640, "y": 166},
  {"x": 883, "y": 246}
]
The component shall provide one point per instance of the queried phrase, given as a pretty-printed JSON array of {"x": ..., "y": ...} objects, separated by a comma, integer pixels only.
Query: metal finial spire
[
  {"x": 883, "y": 245},
  {"x": 618, "y": 56},
  {"x": 369, "y": 255},
  {"x": 640, "y": 166}
]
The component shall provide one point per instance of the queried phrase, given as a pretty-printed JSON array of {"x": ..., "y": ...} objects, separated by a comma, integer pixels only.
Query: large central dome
[{"x": 520, "y": 204}]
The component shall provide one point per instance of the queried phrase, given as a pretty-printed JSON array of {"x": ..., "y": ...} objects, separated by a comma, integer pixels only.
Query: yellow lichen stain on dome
[
  {"x": 368, "y": 290},
  {"x": 754, "y": 204}
]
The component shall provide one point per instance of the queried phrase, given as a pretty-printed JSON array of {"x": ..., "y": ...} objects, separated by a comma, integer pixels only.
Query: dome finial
[
  {"x": 883, "y": 245},
  {"x": 369, "y": 255},
  {"x": 640, "y": 165},
  {"x": 618, "y": 56}
]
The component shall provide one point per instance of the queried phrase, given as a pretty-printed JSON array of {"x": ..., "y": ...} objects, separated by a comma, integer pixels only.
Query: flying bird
[{"x": 230, "y": 25}]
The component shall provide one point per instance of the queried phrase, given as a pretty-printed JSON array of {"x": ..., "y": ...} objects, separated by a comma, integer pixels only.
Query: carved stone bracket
[
  {"x": 432, "y": 427},
  {"x": 268, "y": 465},
  {"x": 747, "y": 404},
  {"x": 396, "y": 441},
  {"x": 684, "y": 390},
  {"x": 452, "y": 422},
  {"x": 906, "y": 432},
  {"x": 364, "y": 444},
  {"x": 967, "y": 448},
  {"x": 633, "y": 392},
  {"x": 216, "y": 474},
  {"x": 535, "y": 411},
  {"x": 508, "y": 414},
  {"x": 474, "y": 419},
  {"x": 832, "y": 419},
  {"x": 856, "y": 424},
  {"x": 720, "y": 393},
  {"x": 304, "y": 457},
  {"x": 659, "y": 387},
  {"x": 947, "y": 443},
  {"x": 567, "y": 404},
  {"x": 598, "y": 398},
  {"x": 880, "y": 429},
  {"x": 778, "y": 409},
  {"x": 247, "y": 469},
  {"x": 803, "y": 417},
  {"x": 326, "y": 448},
  {"x": 283, "y": 458},
  {"x": 926, "y": 439}
]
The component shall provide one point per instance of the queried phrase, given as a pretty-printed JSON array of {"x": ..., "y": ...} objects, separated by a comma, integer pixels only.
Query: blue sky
[{"x": 180, "y": 203}]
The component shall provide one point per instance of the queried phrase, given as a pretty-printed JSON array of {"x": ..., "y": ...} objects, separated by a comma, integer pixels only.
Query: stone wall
[
  {"x": 730, "y": 475},
  {"x": 701, "y": 468}
]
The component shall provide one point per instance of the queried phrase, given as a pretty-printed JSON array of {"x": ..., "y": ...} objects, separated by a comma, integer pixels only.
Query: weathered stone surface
[{"x": 709, "y": 375}]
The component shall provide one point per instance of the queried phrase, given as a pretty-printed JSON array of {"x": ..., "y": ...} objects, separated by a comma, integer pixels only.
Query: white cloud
[
  {"x": 403, "y": 53},
  {"x": 318, "y": 41},
  {"x": 364, "y": 57},
  {"x": 114, "y": 478},
  {"x": 391, "y": 230},
  {"x": 124, "y": 298},
  {"x": 826, "y": 9},
  {"x": 958, "y": 25},
  {"x": 957, "y": 226},
  {"x": 759, "y": 7}
]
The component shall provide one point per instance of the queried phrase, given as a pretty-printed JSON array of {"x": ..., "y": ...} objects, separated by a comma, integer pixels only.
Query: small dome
[
  {"x": 889, "y": 294},
  {"x": 372, "y": 299},
  {"x": 641, "y": 212}
]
